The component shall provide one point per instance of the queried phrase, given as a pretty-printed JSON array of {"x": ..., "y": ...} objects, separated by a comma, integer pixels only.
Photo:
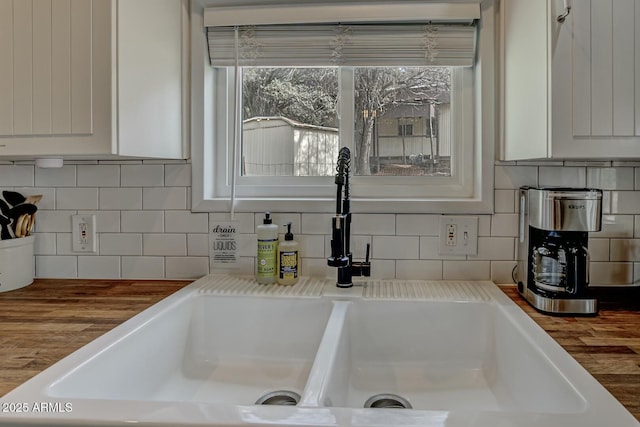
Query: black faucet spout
[{"x": 341, "y": 256}]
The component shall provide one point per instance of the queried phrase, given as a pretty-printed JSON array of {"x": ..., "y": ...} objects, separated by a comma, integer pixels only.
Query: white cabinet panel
[
  {"x": 88, "y": 78},
  {"x": 41, "y": 67},
  {"x": 581, "y": 70},
  {"x": 81, "y": 70},
  {"x": 6, "y": 67},
  {"x": 637, "y": 66},
  {"x": 623, "y": 67},
  {"x": 591, "y": 108},
  {"x": 61, "y": 67},
  {"x": 22, "y": 67},
  {"x": 50, "y": 72},
  {"x": 149, "y": 77}
]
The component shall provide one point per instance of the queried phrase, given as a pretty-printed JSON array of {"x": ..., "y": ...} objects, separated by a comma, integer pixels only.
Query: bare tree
[
  {"x": 378, "y": 89},
  {"x": 310, "y": 95}
]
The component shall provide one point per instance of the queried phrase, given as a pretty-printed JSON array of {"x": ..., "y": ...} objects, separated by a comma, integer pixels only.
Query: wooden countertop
[{"x": 48, "y": 320}]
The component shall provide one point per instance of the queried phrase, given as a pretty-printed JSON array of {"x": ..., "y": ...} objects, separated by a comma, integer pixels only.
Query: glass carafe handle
[
  {"x": 588, "y": 266},
  {"x": 577, "y": 262}
]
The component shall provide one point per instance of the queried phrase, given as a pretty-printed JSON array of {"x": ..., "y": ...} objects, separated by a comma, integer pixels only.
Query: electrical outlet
[
  {"x": 458, "y": 235},
  {"x": 83, "y": 233}
]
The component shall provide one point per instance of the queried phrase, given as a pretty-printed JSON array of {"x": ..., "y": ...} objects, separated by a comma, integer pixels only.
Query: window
[{"x": 282, "y": 98}]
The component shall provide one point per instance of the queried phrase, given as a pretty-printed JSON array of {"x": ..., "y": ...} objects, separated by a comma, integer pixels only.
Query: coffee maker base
[{"x": 560, "y": 306}]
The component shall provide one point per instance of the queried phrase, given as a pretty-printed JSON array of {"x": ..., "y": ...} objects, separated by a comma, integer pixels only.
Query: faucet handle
[{"x": 362, "y": 268}]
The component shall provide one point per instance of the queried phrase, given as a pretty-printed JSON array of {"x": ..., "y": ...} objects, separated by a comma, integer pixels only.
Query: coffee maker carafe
[{"x": 553, "y": 258}]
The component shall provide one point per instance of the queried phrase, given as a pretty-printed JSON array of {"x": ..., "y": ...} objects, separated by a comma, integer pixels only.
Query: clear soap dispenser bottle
[{"x": 288, "y": 259}]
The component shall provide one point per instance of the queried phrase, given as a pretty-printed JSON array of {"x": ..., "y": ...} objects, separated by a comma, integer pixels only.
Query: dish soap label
[
  {"x": 267, "y": 269},
  {"x": 288, "y": 259},
  {"x": 288, "y": 265},
  {"x": 267, "y": 258}
]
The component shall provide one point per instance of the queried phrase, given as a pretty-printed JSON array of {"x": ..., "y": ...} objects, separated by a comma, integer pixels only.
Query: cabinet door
[
  {"x": 148, "y": 78},
  {"x": 596, "y": 80},
  {"x": 54, "y": 77}
]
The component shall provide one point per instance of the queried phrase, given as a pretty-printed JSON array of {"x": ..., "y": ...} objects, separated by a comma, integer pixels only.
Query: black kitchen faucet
[{"x": 341, "y": 256}]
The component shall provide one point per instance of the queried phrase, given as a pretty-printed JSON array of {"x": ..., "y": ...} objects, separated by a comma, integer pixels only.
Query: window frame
[{"x": 317, "y": 194}]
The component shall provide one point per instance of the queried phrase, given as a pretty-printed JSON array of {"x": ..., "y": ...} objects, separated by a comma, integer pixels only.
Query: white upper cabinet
[
  {"x": 570, "y": 90},
  {"x": 89, "y": 78}
]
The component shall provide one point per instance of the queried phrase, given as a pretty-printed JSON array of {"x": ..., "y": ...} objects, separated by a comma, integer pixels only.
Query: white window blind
[{"x": 347, "y": 34}]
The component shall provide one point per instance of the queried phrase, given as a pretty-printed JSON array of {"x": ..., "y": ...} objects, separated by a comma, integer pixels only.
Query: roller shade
[{"x": 445, "y": 35}]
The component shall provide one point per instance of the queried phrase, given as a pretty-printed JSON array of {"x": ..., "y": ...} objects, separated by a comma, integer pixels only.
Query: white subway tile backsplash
[
  {"x": 372, "y": 224},
  {"x": 16, "y": 176},
  {"x": 142, "y": 267},
  {"x": 501, "y": 272},
  {"x": 610, "y": 178},
  {"x": 598, "y": 249},
  {"x": 44, "y": 244},
  {"x": 164, "y": 198},
  {"x": 98, "y": 176},
  {"x": 145, "y": 228},
  {"x": 316, "y": 223},
  {"x": 106, "y": 221},
  {"x": 466, "y": 270},
  {"x": 142, "y": 175},
  {"x": 64, "y": 245},
  {"x": 120, "y": 244},
  {"x": 625, "y": 250},
  {"x": 120, "y": 199},
  {"x": 53, "y": 221},
  {"x": 311, "y": 245},
  {"x": 177, "y": 175},
  {"x": 429, "y": 249},
  {"x": 611, "y": 273},
  {"x": 142, "y": 221},
  {"x": 197, "y": 244},
  {"x": 484, "y": 225},
  {"x": 513, "y": 177},
  {"x": 505, "y": 225},
  {"x": 57, "y": 266},
  {"x": 562, "y": 176},
  {"x": 185, "y": 222},
  {"x": 505, "y": 201},
  {"x": 56, "y": 177},
  {"x": 625, "y": 202},
  {"x": 395, "y": 247},
  {"x": 418, "y": 270},
  {"x": 164, "y": 244},
  {"x": 77, "y": 198},
  {"x": 186, "y": 267},
  {"x": 495, "y": 249},
  {"x": 98, "y": 267},
  {"x": 615, "y": 226},
  {"x": 417, "y": 225}
]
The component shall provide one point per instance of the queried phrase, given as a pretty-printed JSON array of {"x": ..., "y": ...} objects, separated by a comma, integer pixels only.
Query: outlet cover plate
[
  {"x": 83, "y": 233},
  {"x": 463, "y": 241}
]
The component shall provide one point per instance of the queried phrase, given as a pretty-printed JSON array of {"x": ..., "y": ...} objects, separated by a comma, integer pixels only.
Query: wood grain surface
[
  {"x": 48, "y": 320},
  {"x": 607, "y": 345}
]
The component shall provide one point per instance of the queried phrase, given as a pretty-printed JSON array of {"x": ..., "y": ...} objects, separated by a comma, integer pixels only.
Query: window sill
[{"x": 328, "y": 205}]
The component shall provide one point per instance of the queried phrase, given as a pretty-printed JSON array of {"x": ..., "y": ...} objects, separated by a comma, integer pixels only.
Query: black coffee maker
[{"x": 553, "y": 259}]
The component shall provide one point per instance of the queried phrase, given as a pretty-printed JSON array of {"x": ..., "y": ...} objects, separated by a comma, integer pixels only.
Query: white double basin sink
[{"x": 224, "y": 351}]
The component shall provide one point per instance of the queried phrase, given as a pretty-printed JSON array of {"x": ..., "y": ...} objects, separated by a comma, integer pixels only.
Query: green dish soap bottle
[
  {"x": 267, "y": 251},
  {"x": 288, "y": 259}
]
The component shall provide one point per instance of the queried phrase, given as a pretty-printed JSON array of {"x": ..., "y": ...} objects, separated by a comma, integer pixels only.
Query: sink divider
[{"x": 329, "y": 360}]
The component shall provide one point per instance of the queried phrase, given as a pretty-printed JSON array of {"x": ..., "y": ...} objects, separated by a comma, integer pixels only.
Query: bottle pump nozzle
[{"x": 288, "y": 235}]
